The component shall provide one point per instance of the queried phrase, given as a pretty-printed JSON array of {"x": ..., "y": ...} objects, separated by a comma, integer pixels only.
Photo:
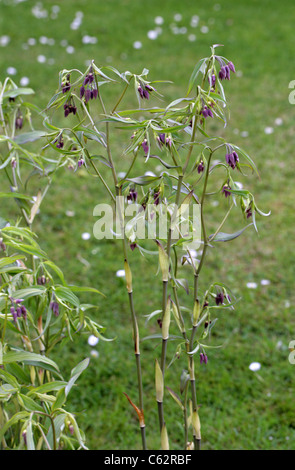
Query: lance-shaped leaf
[
  {"x": 198, "y": 68},
  {"x": 128, "y": 276},
  {"x": 164, "y": 438},
  {"x": 17, "y": 92},
  {"x": 164, "y": 262},
  {"x": 138, "y": 411},
  {"x": 75, "y": 373},
  {"x": 226, "y": 237},
  {"x": 196, "y": 424},
  {"x": 196, "y": 312},
  {"x": 29, "y": 137},
  {"x": 175, "y": 397},
  {"x": 177, "y": 317},
  {"x": 166, "y": 320},
  {"x": 159, "y": 382}
]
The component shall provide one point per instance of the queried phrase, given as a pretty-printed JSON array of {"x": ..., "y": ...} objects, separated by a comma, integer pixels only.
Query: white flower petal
[
  {"x": 93, "y": 340},
  {"x": 255, "y": 366}
]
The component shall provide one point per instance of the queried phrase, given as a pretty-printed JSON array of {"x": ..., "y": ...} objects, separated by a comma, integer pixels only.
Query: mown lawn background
[{"x": 240, "y": 409}]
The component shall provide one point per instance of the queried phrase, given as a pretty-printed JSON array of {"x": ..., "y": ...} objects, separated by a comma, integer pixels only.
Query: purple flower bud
[
  {"x": 140, "y": 91},
  {"x": 95, "y": 93},
  {"x": 87, "y": 95},
  {"x": 205, "y": 112},
  {"x": 232, "y": 67},
  {"x": 132, "y": 196},
  {"x": 24, "y": 312},
  {"x": 222, "y": 73},
  {"x": 19, "y": 312},
  {"x": 226, "y": 190},
  {"x": 202, "y": 358},
  {"x": 168, "y": 142},
  {"x": 232, "y": 159},
  {"x": 157, "y": 198},
  {"x": 212, "y": 80},
  {"x": 13, "y": 313},
  {"x": 66, "y": 87},
  {"x": 210, "y": 113},
  {"x": 219, "y": 298},
  {"x": 82, "y": 91},
  {"x": 19, "y": 122},
  {"x": 146, "y": 94},
  {"x": 133, "y": 246},
  {"x": 81, "y": 162},
  {"x": 145, "y": 146},
  {"x": 227, "y": 72},
  {"x": 201, "y": 167},
  {"x": 149, "y": 88},
  {"x": 13, "y": 163},
  {"x": 60, "y": 143},
  {"x": 249, "y": 212},
  {"x": 55, "y": 308},
  {"x": 161, "y": 139}
]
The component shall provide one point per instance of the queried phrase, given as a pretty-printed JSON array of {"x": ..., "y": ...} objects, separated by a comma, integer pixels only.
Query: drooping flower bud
[{"x": 226, "y": 190}]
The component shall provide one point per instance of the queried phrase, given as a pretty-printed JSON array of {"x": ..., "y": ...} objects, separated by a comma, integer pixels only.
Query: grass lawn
[{"x": 241, "y": 409}]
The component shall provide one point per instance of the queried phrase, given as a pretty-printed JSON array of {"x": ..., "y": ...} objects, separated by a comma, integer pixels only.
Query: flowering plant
[
  {"x": 39, "y": 311},
  {"x": 178, "y": 137}
]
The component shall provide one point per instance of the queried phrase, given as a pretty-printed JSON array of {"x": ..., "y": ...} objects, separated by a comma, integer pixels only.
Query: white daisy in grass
[
  {"x": 204, "y": 29},
  {"x": 251, "y": 285},
  {"x": 159, "y": 20},
  {"x": 41, "y": 59},
  {"x": 194, "y": 21},
  {"x": 11, "y": 71},
  {"x": 32, "y": 41},
  {"x": 152, "y": 34},
  {"x": 86, "y": 236},
  {"x": 93, "y": 340},
  {"x": 94, "y": 353},
  {"x": 4, "y": 40},
  {"x": 264, "y": 282},
  {"x": 120, "y": 273},
  {"x": 177, "y": 17},
  {"x": 70, "y": 213},
  {"x": 278, "y": 121},
  {"x": 192, "y": 37},
  {"x": 244, "y": 134},
  {"x": 70, "y": 50},
  {"x": 268, "y": 130},
  {"x": 137, "y": 45},
  {"x": 24, "y": 81},
  {"x": 255, "y": 366}
]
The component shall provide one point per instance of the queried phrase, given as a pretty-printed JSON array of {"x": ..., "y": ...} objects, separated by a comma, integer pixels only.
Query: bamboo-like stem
[{"x": 124, "y": 245}]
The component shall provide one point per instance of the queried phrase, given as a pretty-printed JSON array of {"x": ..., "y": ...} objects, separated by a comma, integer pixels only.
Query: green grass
[{"x": 240, "y": 409}]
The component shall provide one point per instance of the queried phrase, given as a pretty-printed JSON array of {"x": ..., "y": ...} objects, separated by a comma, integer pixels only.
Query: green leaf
[
  {"x": 29, "y": 137},
  {"x": 85, "y": 289},
  {"x": 75, "y": 373},
  {"x": 226, "y": 237},
  {"x": 195, "y": 74},
  {"x": 57, "y": 270},
  {"x": 29, "y": 292},
  {"x": 15, "y": 419},
  {"x": 143, "y": 180},
  {"x": 66, "y": 295},
  {"x": 18, "y": 92},
  {"x": 10, "y": 260},
  {"x": 29, "y": 404},
  {"x": 16, "y": 195},
  {"x": 28, "y": 357},
  {"x": 48, "y": 387}
]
